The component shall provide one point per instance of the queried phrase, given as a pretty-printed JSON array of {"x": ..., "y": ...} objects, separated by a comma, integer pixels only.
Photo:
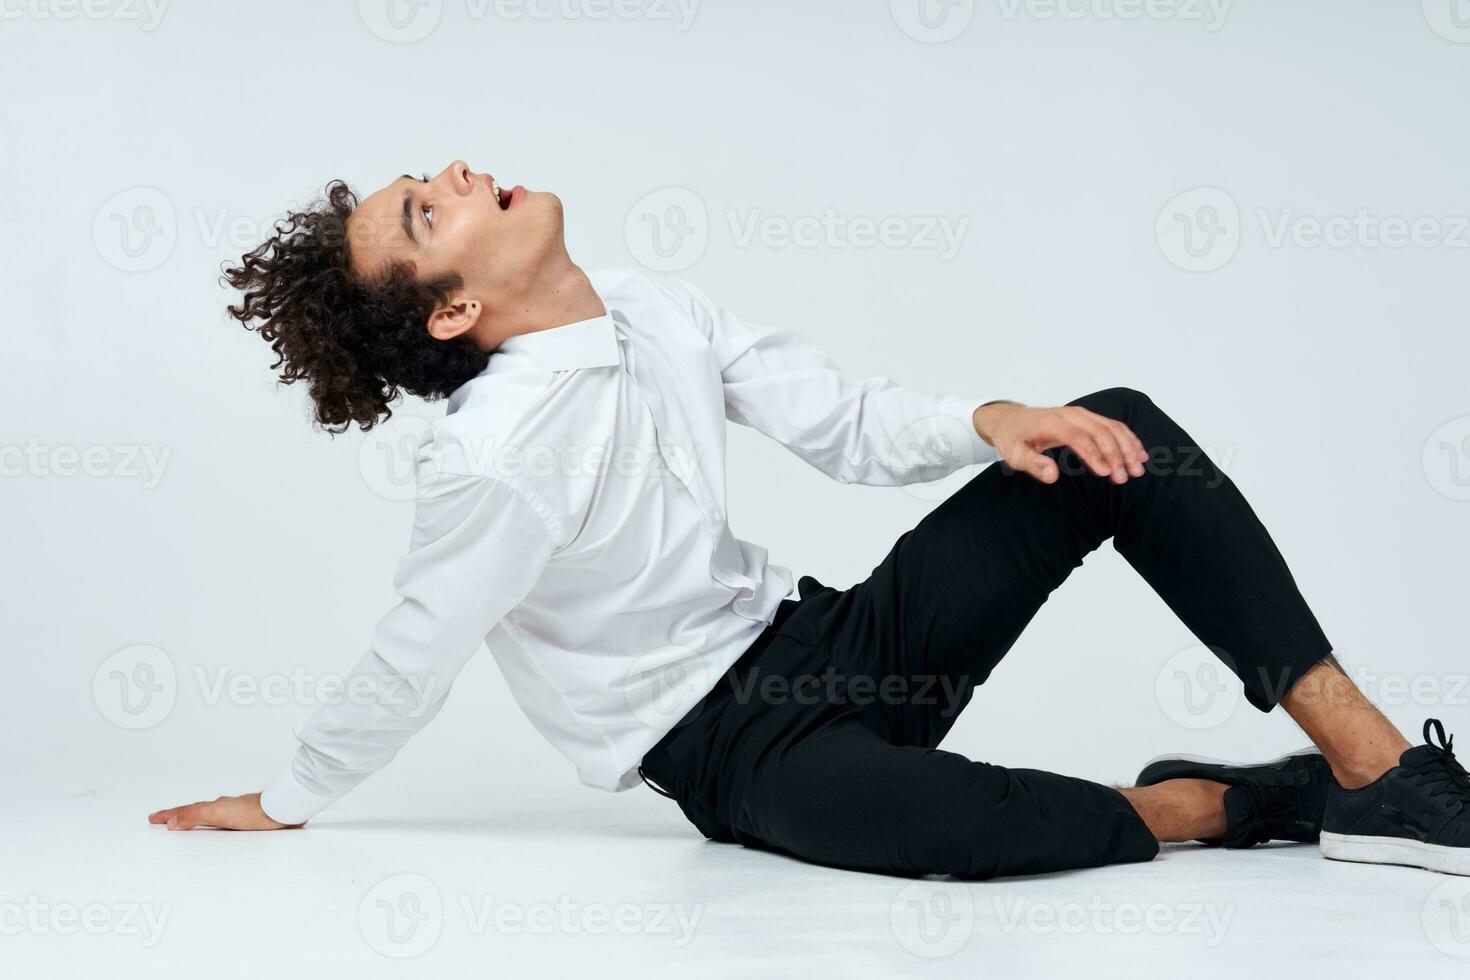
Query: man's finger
[
  {"x": 1132, "y": 446},
  {"x": 1080, "y": 441},
  {"x": 192, "y": 816},
  {"x": 1137, "y": 455},
  {"x": 1107, "y": 443},
  {"x": 161, "y": 816},
  {"x": 1034, "y": 464}
]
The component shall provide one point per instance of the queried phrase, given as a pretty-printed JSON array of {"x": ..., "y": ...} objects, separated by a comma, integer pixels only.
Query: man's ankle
[
  {"x": 1181, "y": 809},
  {"x": 1352, "y": 774}
]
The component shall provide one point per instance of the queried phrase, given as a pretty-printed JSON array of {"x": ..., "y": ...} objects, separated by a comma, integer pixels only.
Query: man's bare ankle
[
  {"x": 1359, "y": 775},
  {"x": 1359, "y": 743}
]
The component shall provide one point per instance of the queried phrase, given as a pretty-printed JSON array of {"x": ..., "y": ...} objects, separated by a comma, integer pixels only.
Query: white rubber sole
[
  {"x": 1395, "y": 850},
  {"x": 1207, "y": 761}
]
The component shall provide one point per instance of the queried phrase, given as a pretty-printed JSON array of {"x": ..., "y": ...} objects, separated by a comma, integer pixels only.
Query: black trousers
[{"x": 821, "y": 741}]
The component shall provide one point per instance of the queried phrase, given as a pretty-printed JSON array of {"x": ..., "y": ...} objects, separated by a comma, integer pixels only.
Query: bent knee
[
  {"x": 1115, "y": 403},
  {"x": 1118, "y": 395}
]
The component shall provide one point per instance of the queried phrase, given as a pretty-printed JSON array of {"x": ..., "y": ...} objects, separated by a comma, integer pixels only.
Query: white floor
[{"x": 564, "y": 884}]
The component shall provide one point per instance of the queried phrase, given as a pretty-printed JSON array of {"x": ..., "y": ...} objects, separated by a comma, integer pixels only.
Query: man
[{"x": 571, "y": 509}]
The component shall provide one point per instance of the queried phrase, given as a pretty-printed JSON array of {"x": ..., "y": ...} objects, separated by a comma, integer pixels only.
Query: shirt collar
[{"x": 584, "y": 344}]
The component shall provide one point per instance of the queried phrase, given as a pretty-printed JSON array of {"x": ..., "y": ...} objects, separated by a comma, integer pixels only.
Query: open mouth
[{"x": 507, "y": 198}]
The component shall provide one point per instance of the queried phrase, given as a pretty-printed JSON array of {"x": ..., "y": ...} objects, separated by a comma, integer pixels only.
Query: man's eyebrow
[{"x": 407, "y": 217}]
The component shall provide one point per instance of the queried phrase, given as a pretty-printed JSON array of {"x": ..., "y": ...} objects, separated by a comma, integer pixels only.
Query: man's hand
[
  {"x": 1022, "y": 435},
  {"x": 226, "y": 813}
]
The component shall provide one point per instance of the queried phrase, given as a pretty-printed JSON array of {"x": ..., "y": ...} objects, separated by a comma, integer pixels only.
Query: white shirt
[{"x": 570, "y": 512}]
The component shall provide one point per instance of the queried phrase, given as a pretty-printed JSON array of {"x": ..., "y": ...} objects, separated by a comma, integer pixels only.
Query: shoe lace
[
  {"x": 1270, "y": 805},
  {"x": 1440, "y": 772}
]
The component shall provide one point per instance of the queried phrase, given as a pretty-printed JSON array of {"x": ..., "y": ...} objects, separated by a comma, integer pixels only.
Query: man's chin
[{"x": 552, "y": 208}]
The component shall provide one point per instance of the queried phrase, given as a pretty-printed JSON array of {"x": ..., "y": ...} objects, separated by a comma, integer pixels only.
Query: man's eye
[
  {"x": 425, "y": 178},
  {"x": 428, "y": 211}
]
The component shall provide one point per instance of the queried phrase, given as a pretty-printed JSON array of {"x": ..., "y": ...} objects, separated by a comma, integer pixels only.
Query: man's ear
[{"x": 454, "y": 317}]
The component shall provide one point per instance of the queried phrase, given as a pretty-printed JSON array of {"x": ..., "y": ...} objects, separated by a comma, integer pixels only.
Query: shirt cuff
[
  {"x": 286, "y": 801},
  {"x": 981, "y": 452}
]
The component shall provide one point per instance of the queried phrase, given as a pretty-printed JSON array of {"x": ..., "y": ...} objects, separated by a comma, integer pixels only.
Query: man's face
[{"x": 455, "y": 224}]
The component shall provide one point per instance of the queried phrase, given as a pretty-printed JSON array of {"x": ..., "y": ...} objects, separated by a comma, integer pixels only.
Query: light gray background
[{"x": 1329, "y": 379}]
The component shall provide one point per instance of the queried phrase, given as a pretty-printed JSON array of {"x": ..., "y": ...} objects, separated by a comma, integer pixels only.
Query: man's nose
[{"x": 458, "y": 176}]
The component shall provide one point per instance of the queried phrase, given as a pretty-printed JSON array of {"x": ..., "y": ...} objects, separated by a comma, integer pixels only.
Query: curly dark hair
[{"x": 357, "y": 341}]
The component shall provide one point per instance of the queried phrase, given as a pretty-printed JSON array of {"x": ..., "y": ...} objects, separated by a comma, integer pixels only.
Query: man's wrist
[
  {"x": 987, "y": 414},
  {"x": 286, "y": 801}
]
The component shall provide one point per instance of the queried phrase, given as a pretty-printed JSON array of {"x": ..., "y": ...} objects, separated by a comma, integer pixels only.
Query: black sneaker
[
  {"x": 1416, "y": 814},
  {"x": 1281, "y": 800}
]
